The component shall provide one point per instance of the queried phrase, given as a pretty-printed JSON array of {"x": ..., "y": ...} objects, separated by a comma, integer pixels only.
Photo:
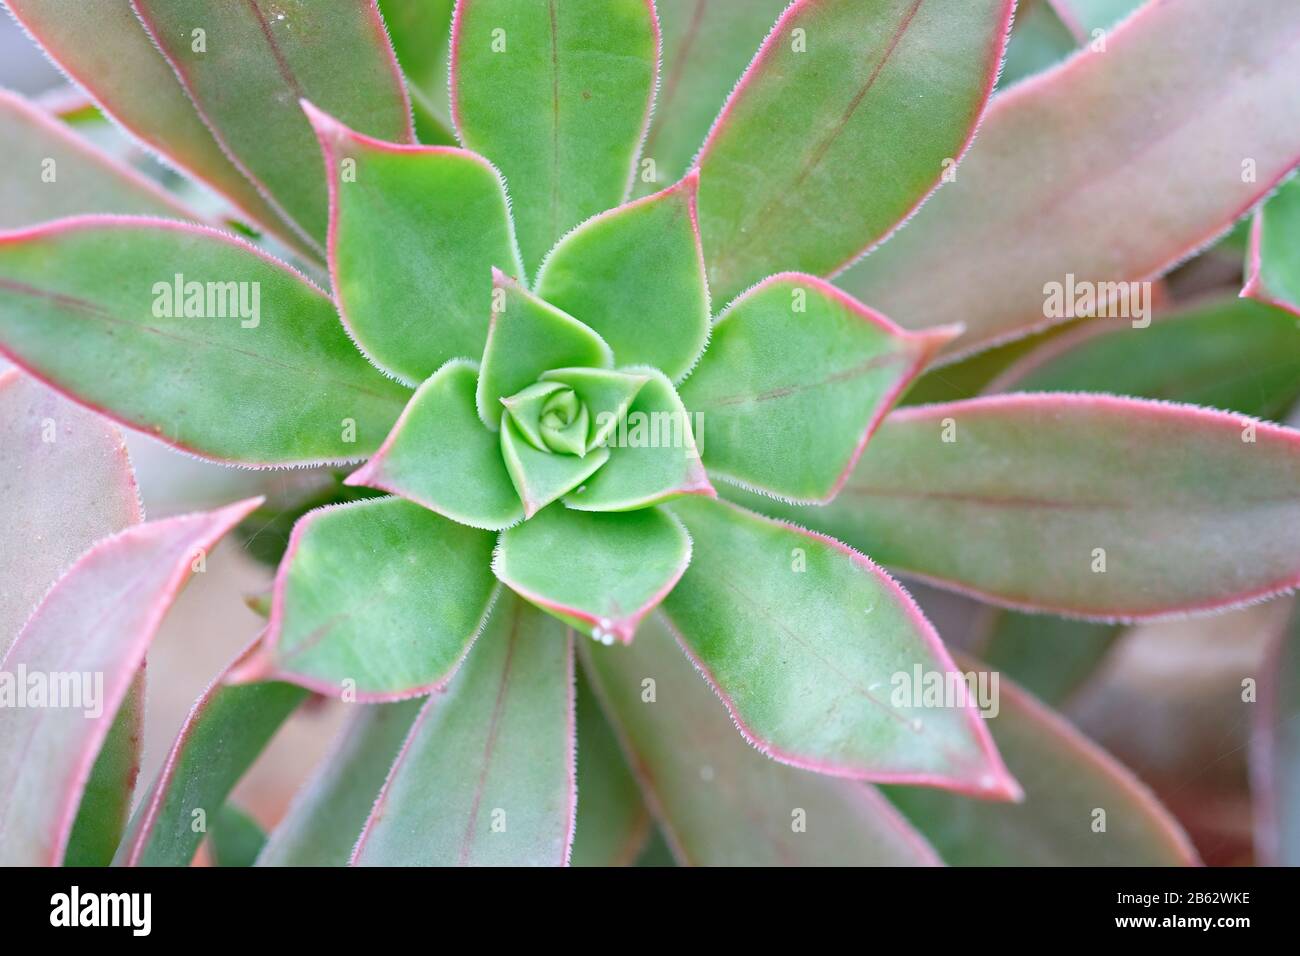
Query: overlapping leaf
[
  {"x": 494, "y": 753},
  {"x": 802, "y": 168},
  {"x": 192, "y": 336},
  {"x": 1178, "y": 127}
]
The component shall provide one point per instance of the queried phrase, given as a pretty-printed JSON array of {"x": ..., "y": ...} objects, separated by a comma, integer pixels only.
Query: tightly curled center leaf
[{"x": 551, "y": 417}]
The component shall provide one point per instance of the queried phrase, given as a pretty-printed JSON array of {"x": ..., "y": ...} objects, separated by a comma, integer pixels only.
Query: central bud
[{"x": 551, "y": 417}]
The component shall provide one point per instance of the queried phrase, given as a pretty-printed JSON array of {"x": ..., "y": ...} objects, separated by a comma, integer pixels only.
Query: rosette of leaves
[{"x": 558, "y": 328}]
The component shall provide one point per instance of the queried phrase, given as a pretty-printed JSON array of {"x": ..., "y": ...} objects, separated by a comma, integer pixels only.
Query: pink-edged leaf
[
  {"x": 1177, "y": 128},
  {"x": 1275, "y": 751},
  {"x": 226, "y": 730},
  {"x": 706, "y": 46},
  {"x": 600, "y": 572},
  {"x": 439, "y": 455},
  {"x": 421, "y": 35},
  {"x": 446, "y": 210},
  {"x": 66, "y": 483},
  {"x": 494, "y": 753},
  {"x": 97, "y": 620},
  {"x": 797, "y": 377},
  {"x": 106, "y": 800},
  {"x": 615, "y": 825},
  {"x": 50, "y": 172},
  {"x": 193, "y": 336},
  {"x": 527, "y": 337},
  {"x": 107, "y": 52},
  {"x": 806, "y": 642},
  {"x": 327, "y": 815},
  {"x": 558, "y": 95},
  {"x": 1273, "y": 260},
  {"x": 380, "y": 599},
  {"x": 1085, "y": 505},
  {"x": 246, "y": 66},
  {"x": 635, "y": 274},
  {"x": 652, "y": 454},
  {"x": 719, "y": 801},
  {"x": 1081, "y": 807},
  {"x": 802, "y": 169}
]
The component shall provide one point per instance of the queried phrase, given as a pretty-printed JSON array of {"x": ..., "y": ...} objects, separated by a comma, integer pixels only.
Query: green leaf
[
  {"x": 719, "y": 801},
  {"x": 1273, "y": 262},
  {"x": 414, "y": 234},
  {"x": 1067, "y": 781},
  {"x": 236, "y": 838},
  {"x": 246, "y": 69},
  {"x": 66, "y": 482},
  {"x": 1275, "y": 752},
  {"x": 225, "y": 732},
  {"x": 635, "y": 274},
  {"x": 813, "y": 649},
  {"x": 1048, "y": 656},
  {"x": 85, "y": 179},
  {"x": 494, "y": 753},
  {"x": 263, "y": 375},
  {"x": 797, "y": 377},
  {"x": 124, "y": 585},
  {"x": 106, "y": 801},
  {"x": 1023, "y": 500},
  {"x": 607, "y": 396},
  {"x": 614, "y": 825},
  {"x": 558, "y": 95},
  {"x": 706, "y": 46},
  {"x": 527, "y": 337},
  {"x": 1039, "y": 38},
  {"x": 1227, "y": 353},
  {"x": 440, "y": 456},
  {"x": 326, "y": 817},
  {"x": 105, "y": 50},
  {"x": 652, "y": 454},
  {"x": 802, "y": 169},
  {"x": 421, "y": 35},
  {"x": 381, "y": 597},
  {"x": 600, "y": 572},
  {"x": 540, "y": 477},
  {"x": 1176, "y": 130}
]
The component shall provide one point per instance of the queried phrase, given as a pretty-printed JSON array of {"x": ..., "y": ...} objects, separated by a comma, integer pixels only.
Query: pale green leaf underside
[
  {"x": 494, "y": 753},
  {"x": 803, "y": 168},
  {"x": 636, "y": 275},
  {"x": 602, "y": 572},
  {"x": 415, "y": 233},
  {"x": 558, "y": 96},
  {"x": 1024, "y": 500},
  {"x": 106, "y": 801},
  {"x": 796, "y": 377},
  {"x": 721, "y": 802},
  {"x": 382, "y": 593},
  {"x": 1067, "y": 779},
  {"x": 804, "y": 640},
  {"x": 439, "y": 455},
  {"x": 256, "y": 62},
  {"x": 90, "y": 304}
]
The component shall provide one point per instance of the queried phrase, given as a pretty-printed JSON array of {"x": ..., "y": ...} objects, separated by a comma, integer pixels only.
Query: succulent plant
[{"x": 620, "y": 376}]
